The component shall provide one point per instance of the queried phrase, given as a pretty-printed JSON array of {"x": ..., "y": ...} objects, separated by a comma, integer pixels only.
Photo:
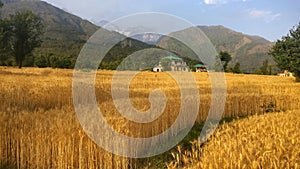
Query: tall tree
[
  {"x": 286, "y": 52},
  {"x": 264, "y": 68},
  {"x": 236, "y": 68},
  {"x": 225, "y": 57},
  {"x": 5, "y": 36},
  {"x": 26, "y": 30}
]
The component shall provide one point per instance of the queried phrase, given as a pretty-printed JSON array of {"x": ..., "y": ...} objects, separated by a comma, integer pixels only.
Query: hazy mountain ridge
[
  {"x": 63, "y": 32},
  {"x": 249, "y": 50},
  {"x": 66, "y": 33}
]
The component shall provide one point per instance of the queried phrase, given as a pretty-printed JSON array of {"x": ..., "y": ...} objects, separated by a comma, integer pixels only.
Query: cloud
[
  {"x": 267, "y": 16},
  {"x": 214, "y": 2}
]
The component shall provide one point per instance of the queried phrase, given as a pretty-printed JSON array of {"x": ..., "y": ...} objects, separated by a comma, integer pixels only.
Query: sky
[{"x": 265, "y": 18}]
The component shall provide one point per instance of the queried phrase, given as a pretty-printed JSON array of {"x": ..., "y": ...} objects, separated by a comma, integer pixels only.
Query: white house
[
  {"x": 158, "y": 68},
  {"x": 286, "y": 73}
]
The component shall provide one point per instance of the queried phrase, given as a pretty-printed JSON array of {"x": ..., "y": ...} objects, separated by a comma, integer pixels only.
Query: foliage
[
  {"x": 286, "y": 52},
  {"x": 5, "y": 35},
  {"x": 265, "y": 69},
  {"x": 61, "y": 62},
  {"x": 42, "y": 61},
  {"x": 236, "y": 69},
  {"x": 64, "y": 33},
  {"x": 23, "y": 32},
  {"x": 225, "y": 58}
]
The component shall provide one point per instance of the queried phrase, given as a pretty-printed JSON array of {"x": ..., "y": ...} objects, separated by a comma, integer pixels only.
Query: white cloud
[
  {"x": 267, "y": 16},
  {"x": 215, "y": 2}
]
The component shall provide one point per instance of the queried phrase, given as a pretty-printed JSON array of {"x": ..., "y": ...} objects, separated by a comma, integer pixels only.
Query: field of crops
[
  {"x": 260, "y": 141},
  {"x": 39, "y": 127}
]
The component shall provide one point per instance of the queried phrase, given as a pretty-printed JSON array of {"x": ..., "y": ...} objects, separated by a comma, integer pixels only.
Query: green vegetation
[
  {"x": 286, "y": 52},
  {"x": 225, "y": 59},
  {"x": 265, "y": 69},
  {"x": 64, "y": 33},
  {"x": 21, "y": 34},
  {"x": 125, "y": 48},
  {"x": 236, "y": 69}
]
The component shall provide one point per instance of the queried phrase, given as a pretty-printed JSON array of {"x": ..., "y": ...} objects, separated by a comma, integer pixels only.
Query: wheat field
[
  {"x": 39, "y": 127},
  {"x": 259, "y": 141}
]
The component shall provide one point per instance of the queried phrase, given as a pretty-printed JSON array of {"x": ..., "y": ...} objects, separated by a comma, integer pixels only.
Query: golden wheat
[
  {"x": 39, "y": 128},
  {"x": 260, "y": 141}
]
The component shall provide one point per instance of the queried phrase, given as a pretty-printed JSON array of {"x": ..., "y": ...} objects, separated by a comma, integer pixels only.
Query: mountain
[
  {"x": 249, "y": 51},
  {"x": 64, "y": 33},
  {"x": 102, "y": 23},
  {"x": 149, "y": 38},
  {"x": 64, "y": 36},
  {"x": 134, "y": 32}
]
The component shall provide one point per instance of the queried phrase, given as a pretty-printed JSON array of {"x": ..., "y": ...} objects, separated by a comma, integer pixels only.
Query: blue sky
[{"x": 266, "y": 18}]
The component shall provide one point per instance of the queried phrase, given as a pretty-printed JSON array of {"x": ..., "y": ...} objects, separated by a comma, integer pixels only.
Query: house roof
[
  {"x": 172, "y": 57},
  {"x": 199, "y": 65}
]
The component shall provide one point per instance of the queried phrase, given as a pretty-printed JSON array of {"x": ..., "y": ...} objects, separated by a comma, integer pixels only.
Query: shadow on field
[
  {"x": 7, "y": 166},
  {"x": 160, "y": 161}
]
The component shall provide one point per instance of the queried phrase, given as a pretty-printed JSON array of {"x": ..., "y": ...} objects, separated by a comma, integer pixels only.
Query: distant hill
[
  {"x": 64, "y": 33},
  {"x": 249, "y": 51}
]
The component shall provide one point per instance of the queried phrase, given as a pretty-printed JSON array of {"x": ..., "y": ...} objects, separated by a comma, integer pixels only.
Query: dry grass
[
  {"x": 39, "y": 128},
  {"x": 260, "y": 141}
]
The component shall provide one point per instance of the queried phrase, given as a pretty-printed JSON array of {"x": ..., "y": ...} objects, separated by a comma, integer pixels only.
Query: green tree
[
  {"x": 264, "y": 67},
  {"x": 225, "y": 57},
  {"x": 42, "y": 61},
  {"x": 5, "y": 35},
  {"x": 236, "y": 68},
  {"x": 286, "y": 52},
  {"x": 26, "y": 30}
]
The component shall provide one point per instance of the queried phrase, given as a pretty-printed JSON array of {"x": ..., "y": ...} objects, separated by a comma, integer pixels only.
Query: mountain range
[
  {"x": 65, "y": 34},
  {"x": 249, "y": 51}
]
